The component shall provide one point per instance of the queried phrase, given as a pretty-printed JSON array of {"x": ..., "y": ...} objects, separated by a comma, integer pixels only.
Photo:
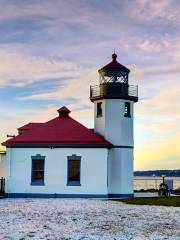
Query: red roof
[
  {"x": 30, "y": 126},
  {"x": 62, "y": 130},
  {"x": 114, "y": 65}
]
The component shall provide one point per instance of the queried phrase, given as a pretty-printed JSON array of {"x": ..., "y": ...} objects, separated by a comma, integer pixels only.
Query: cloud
[
  {"x": 19, "y": 69},
  {"x": 76, "y": 87},
  {"x": 162, "y": 112},
  {"x": 165, "y": 155},
  {"x": 156, "y": 10},
  {"x": 157, "y": 130},
  {"x": 156, "y": 70}
]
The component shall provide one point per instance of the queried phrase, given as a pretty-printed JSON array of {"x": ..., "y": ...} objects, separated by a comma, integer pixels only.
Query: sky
[{"x": 50, "y": 52}]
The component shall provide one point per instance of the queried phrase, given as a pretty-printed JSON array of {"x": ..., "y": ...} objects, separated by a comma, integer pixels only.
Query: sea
[{"x": 153, "y": 182}]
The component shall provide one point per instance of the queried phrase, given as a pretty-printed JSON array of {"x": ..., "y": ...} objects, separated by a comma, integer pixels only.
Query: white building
[{"x": 63, "y": 158}]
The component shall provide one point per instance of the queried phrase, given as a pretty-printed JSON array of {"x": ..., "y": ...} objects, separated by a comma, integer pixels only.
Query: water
[{"x": 153, "y": 182}]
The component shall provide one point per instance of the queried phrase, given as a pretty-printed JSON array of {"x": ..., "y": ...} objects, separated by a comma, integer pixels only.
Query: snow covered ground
[{"x": 86, "y": 219}]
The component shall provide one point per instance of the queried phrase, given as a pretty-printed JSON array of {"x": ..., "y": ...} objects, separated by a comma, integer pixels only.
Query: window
[
  {"x": 127, "y": 109},
  {"x": 74, "y": 163},
  {"x": 37, "y": 174},
  {"x": 99, "y": 109}
]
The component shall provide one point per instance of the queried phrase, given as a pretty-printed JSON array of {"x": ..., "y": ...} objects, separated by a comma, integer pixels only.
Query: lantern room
[
  {"x": 114, "y": 83},
  {"x": 114, "y": 72}
]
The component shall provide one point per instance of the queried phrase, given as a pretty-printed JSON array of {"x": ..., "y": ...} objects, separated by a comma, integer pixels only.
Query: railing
[
  {"x": 149, "y": 183},
  {"x": 133, "y": 90},
  {"x": 95, "y": 91},
  {"x": 113, "y": 90},
  {"x": 2, "y": 187}
]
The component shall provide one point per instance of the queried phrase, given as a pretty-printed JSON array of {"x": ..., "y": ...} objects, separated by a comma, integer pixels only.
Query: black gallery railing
[{"x": 103, "y": 90}]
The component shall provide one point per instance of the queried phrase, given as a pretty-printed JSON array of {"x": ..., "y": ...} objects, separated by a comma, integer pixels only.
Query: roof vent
[{"x": 63, "y": 112}]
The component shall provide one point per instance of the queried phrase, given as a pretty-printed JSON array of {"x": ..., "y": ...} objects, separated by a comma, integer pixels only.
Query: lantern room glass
[{"x": 107, "y": 76}]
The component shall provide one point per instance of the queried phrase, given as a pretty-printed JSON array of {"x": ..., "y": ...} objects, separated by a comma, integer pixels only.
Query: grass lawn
[{"x": 160, "y": 201}]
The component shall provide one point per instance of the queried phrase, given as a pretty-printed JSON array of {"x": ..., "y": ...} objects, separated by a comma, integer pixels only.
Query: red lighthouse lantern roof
[{"x": 114, "y": 65}]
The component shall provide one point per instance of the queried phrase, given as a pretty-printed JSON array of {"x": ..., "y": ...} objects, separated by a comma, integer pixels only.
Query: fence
[
  {"x": 145, "y": 183},
  {"x": 2, "y": 187}
]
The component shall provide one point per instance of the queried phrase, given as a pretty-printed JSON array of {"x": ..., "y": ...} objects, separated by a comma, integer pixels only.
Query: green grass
[{"x": 158, "y": 201}]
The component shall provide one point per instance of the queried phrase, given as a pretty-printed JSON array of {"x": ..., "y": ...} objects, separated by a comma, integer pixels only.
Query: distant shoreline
[{"x": 157, "y": 173}]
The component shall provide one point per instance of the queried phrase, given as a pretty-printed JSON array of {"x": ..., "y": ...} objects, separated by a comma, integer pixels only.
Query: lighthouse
[
  {"x": 114, "y": 100},
  {"x": 63, "y": 158}
]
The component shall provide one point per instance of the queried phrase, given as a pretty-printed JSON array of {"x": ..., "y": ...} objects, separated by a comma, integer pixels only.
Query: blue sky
[{"x": 50, "y": 52}]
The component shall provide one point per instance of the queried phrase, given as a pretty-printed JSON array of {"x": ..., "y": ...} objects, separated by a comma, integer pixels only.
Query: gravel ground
[{"x": 68, "y": 219}]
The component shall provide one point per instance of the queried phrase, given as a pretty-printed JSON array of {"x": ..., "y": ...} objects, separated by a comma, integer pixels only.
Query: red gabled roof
[
  {"x": 30, "y": 126},
  {"x": 114, "y": 65},
  {"x": 62, "y": 130}
]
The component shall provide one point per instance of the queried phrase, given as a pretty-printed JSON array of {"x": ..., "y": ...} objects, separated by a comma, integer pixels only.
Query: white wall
[
  {"x": 93, "y": 170},
  {"x": 120, "y": 171},
  {"x": 113, "y": 125},
  {"x": 119, "y": 131},
  {"x": 2, "y": 165}
]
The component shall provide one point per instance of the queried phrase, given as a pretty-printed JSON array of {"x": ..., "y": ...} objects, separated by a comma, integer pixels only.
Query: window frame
[
  {"x": 127, "y": 105},
  {"x": 37, "y": 182},
  {"x": 74, "y": 157},
  {"x": 97, "y": 109}
]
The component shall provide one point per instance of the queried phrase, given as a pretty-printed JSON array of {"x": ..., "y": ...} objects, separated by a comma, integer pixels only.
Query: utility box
[{"x": 169, "y": 182}]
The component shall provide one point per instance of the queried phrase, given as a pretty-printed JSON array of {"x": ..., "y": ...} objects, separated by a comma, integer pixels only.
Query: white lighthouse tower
[{"x": 113, "y": 102}]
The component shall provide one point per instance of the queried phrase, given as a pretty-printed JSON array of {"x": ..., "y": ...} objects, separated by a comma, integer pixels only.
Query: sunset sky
[{"x": 50, "y": 51}]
